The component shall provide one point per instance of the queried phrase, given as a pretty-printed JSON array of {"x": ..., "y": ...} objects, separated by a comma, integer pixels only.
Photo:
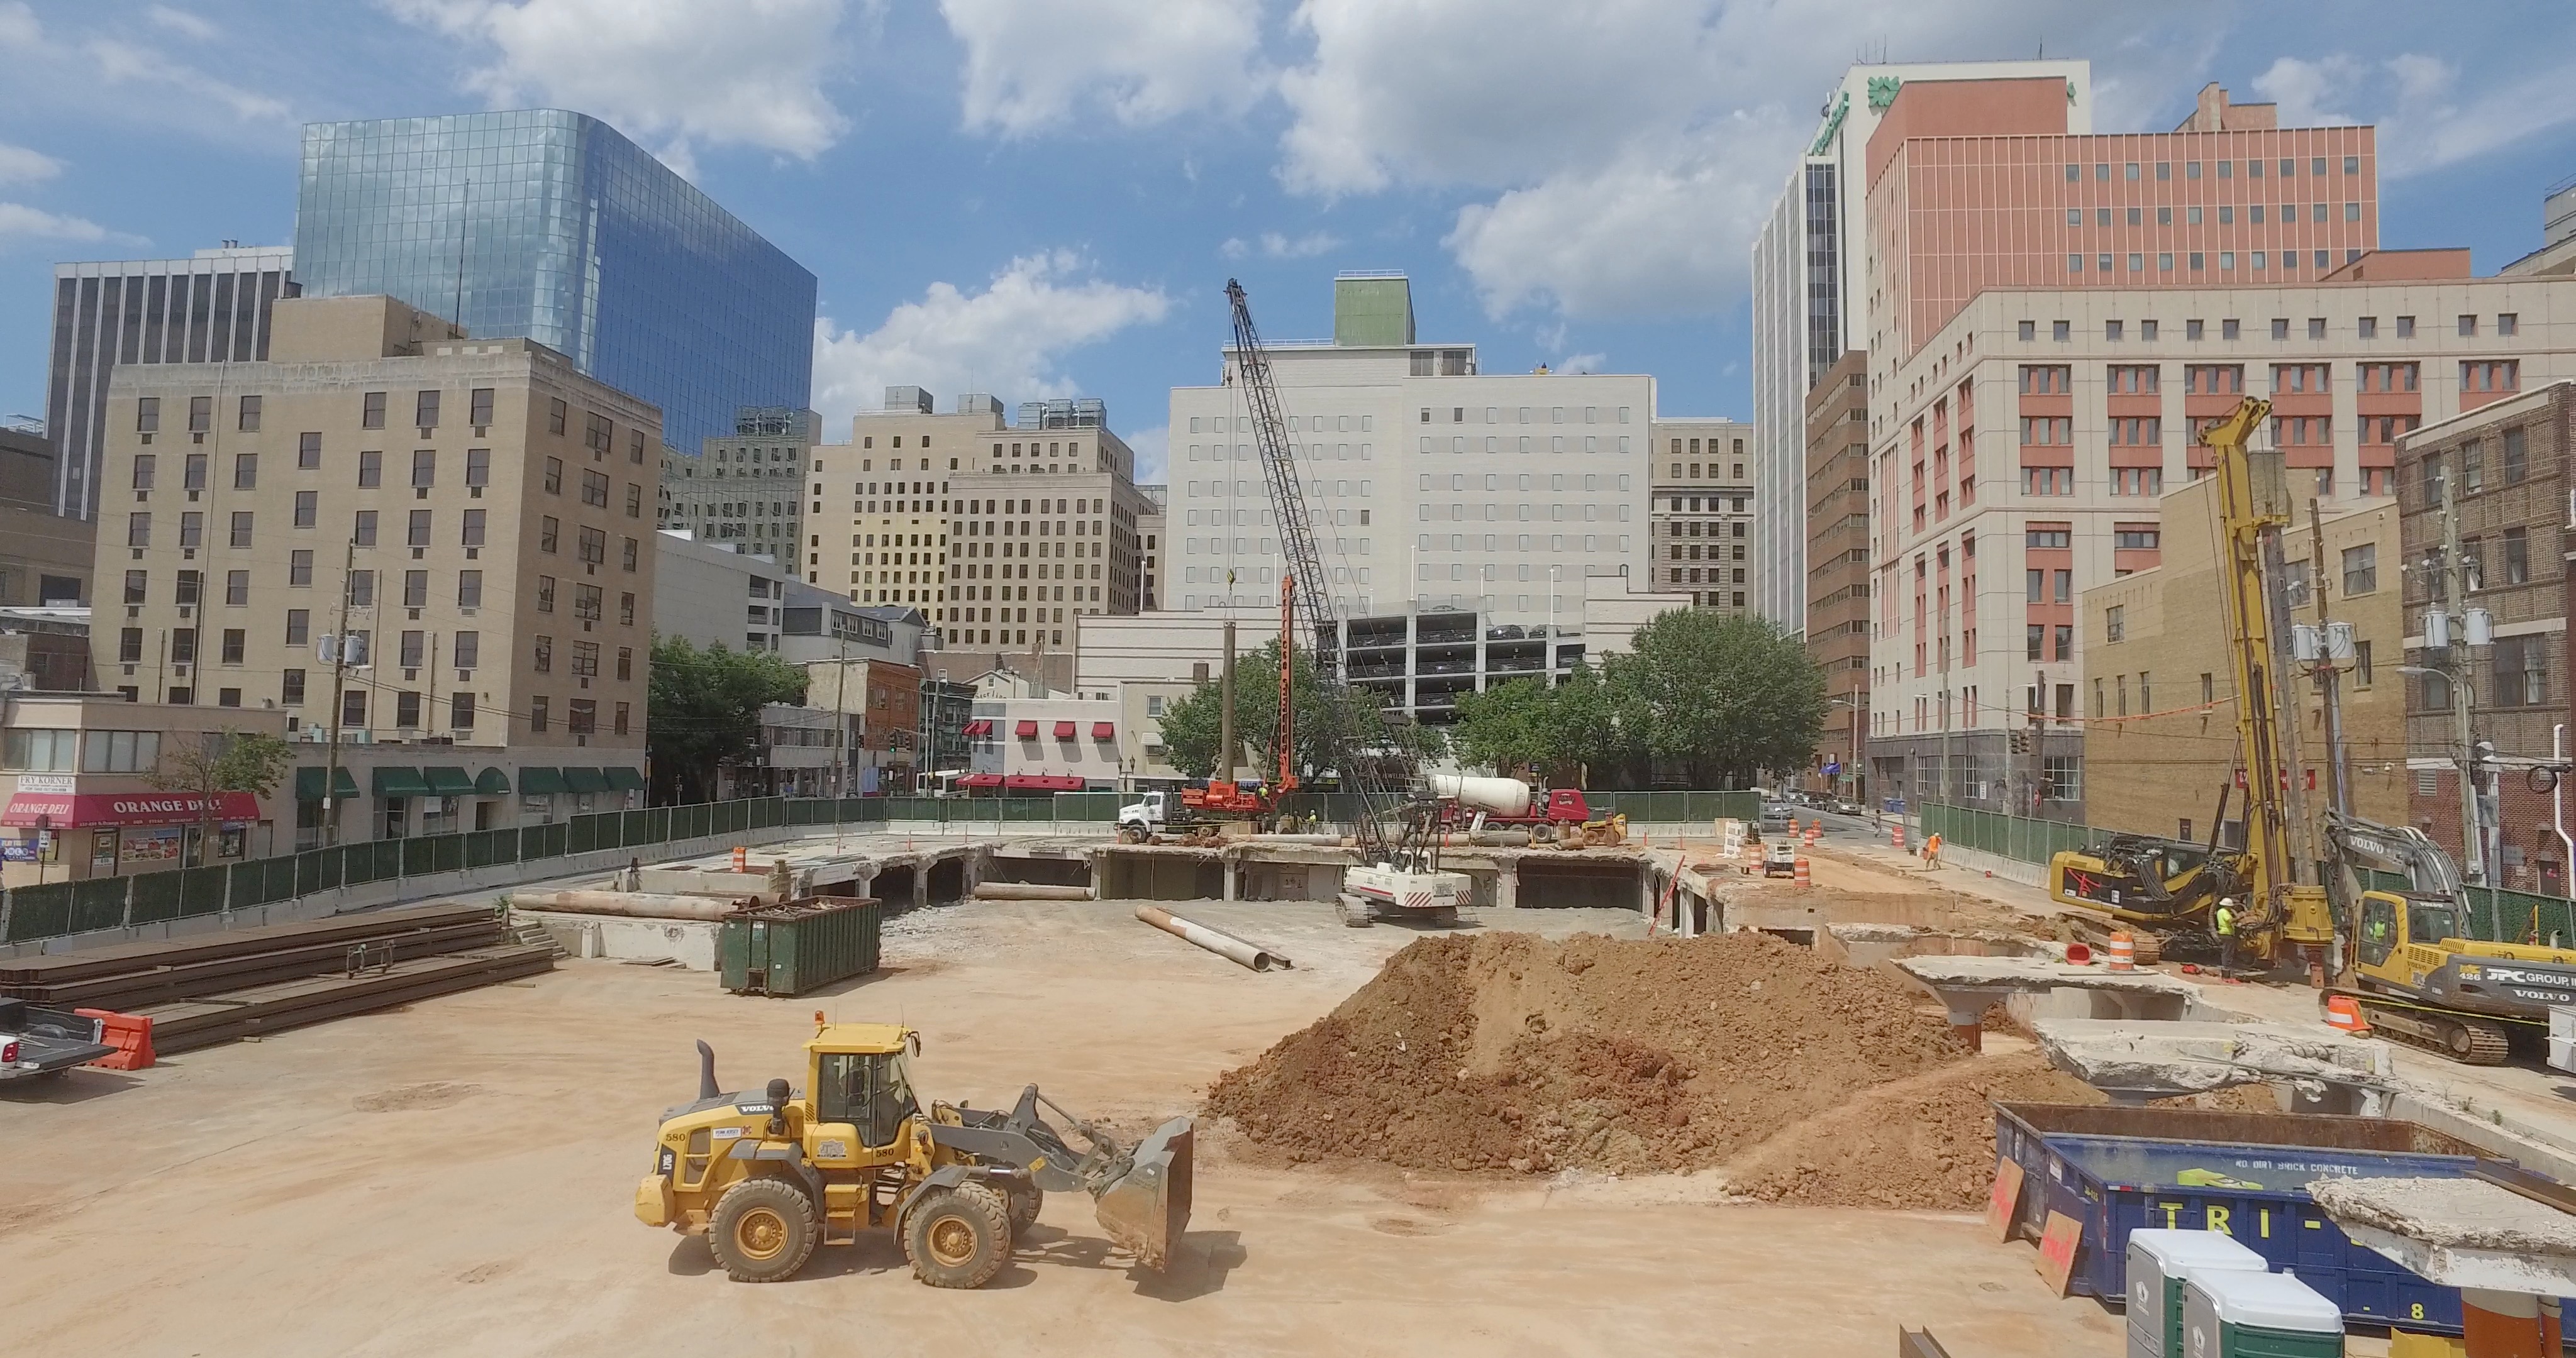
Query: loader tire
[
  {"x": 958, "y": 1237},
  {"x": 1024, "y": 1204},
  {"x": 762, "y": 1231}
]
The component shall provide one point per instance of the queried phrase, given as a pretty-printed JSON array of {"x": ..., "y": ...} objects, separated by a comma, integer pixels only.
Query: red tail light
[{"x": 9, "y": 1052}]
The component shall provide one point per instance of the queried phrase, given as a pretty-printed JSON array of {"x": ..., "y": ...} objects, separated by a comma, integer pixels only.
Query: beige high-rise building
[
  {"x": 482, "y": 508},
  {"x": 1700, "y": 513},
  {"x": 1002, "y": 534}
]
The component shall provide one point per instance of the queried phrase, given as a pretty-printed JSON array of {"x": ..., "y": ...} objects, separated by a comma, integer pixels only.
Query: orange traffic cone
[
  {"x": 1896, "y": 836},
  {"x": 1801, "y": 876},
  {"x": 2344, "y": 1012}
]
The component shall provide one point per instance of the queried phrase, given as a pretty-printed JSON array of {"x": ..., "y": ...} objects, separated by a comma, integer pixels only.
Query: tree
[
  {"x": 1328, "y": 738},
  {"x": 703, "y": 709},
  {"x": 224, "y": 761},
  {"x": 1718, "y": 699},
  {"x": 1711, "y": 699}
]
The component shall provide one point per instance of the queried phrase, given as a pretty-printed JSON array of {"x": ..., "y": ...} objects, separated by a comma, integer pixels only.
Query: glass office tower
[{"x": 552, "y": 226}]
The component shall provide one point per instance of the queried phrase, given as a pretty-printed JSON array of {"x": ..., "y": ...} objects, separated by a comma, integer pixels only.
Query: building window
[
  {"x": 478, "y": 466},
  {"x": 2361, "y": 570},
  {"x": 249, "y": 420},
  {"x": 537, "y": 707},
  {"x": 424, "y": 409},
  {"x": 2517, "y": 557},
  {"x": 372, "y": 411},
  {"x": 2522, "y": 670},
  {"x": 2115, "y": 623},
  {"x": 371, "y": 469}
]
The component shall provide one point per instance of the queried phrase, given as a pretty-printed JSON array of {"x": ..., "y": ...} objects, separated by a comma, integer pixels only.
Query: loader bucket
[{"x": 1146, "y": 1210}]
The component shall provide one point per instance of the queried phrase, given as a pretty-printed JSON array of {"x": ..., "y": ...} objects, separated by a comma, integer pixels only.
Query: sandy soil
[{"x": 455, "y": 1177}]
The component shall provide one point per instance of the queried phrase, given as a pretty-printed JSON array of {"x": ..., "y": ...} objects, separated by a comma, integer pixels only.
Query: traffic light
[{"x": 2021, "y": 742}]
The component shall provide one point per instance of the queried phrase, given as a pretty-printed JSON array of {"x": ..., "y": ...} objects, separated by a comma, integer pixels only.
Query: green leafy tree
[
  {"x": 1704, "y": 698},
  {"x": 1718, "y": 699},
  {"x": 704, "y": 709},
  {"x": 1327, "y": 737},
  {"x": 226, "y": 761}
]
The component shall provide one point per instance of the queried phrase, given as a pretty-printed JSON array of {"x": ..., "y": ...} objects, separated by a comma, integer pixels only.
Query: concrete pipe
[
  {"x": 1222, "y": 944},
  {"x": 1500, "y": 796},
  {"x": 1030, "y": 891},
  {"x": 635, "y": 904}
]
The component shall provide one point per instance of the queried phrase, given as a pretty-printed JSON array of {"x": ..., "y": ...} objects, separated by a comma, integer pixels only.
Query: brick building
[
  {"x": 1837, "y": 556},
  {"x": 2506, "y": 467}
]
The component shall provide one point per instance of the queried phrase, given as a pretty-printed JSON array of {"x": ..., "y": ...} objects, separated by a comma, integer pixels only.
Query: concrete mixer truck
[{"x": 1557, "y": 815}]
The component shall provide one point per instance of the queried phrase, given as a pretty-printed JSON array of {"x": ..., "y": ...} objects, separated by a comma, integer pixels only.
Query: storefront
[{"x": 103, "y": 834}]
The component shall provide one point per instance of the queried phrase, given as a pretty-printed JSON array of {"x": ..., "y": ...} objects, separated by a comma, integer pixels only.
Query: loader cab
[{"x": 864, "y": 1108}]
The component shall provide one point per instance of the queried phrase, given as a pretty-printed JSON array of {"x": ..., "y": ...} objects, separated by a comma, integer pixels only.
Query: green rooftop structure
[{"x": 1372, "y": 309}]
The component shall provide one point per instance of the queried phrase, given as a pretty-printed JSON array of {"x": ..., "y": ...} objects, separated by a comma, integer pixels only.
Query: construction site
[{"x": 1464, "y": 1069}]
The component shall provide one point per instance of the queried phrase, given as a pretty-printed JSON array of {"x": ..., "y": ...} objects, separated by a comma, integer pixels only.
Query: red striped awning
[
  {"x": 980, "y": 780},
  {"x": 1102, "y": 730},
  {"x": 1027, "y": 730},
  {"x": 1064, "y": 730},
  {"x": 1043, "y": 782}
]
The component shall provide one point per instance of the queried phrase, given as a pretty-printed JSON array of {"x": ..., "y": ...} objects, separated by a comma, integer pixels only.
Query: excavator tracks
[{"x": 2463, "y": 1038}]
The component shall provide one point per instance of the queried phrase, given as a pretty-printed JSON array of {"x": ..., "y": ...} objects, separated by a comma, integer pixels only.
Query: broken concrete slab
[
  {"x": 2157, "y": 1059},
  {"x": 2464, "y": 1233}
]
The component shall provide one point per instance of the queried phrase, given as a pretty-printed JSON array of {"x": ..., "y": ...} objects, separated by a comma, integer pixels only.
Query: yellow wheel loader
[{"x": 767, "y": 1176}]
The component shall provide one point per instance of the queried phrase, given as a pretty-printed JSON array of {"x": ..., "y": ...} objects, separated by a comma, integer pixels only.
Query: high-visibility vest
[{"x": 2226, "y": 921}]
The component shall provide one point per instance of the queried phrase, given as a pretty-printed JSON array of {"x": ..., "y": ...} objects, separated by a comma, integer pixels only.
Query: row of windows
[
  {"x": 2223, "y": 169},
  {"x": 2254, "y": 214},
  {"x": 598, "y": 431},
  {"x": 2197, "y": 261},
  {"x": 2513, "y": 464},
  {"x": 188, "y": 590},
  {"x": 1693, "y": 473},
  {"x": 371, "y": 469},
  {"x": 2225, "y": 379},
  {"x": 2508, "y": 324}
]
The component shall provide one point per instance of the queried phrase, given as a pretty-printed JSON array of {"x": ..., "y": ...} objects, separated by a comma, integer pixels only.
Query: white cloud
[
  {"x": 680, "y": 73},
  {"x": 1273, "y": 245},
  {"x": 1034, "y": 64},
  {"x": 1582, "y": 363},
  {"x": 1153, "y": 453},
  {"x": 19, "y": 222},
  {"x": 129, "y": 80},
  {"x": 2424, "y": 122},
  {"x": 1622, "y": 151},
  {"x": 18, "y": 165},
  {"x": 1008, "y": 339},
  {"x": 182, "y": 22}
]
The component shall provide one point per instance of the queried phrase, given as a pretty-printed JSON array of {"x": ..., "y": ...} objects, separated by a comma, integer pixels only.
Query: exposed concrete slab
[
  {"x": 687, "y": 942},
  {"x": 2155, "y": 1059},
  {"x": 2458, "y": 1232},
  {"x": 2039, "y": 973}
]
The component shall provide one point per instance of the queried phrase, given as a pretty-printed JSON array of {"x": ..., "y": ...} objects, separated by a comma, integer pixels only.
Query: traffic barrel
[
  {"x": 2123, "y": 951},
  {"x": 2344, "y": 1012},
  {"x": 741, "y": 858},
  {"x": 1802, "y": 871},
  {"x": 1896, "y": 836}
]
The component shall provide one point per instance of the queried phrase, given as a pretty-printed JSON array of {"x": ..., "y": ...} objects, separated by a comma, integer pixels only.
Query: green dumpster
[{"x": 798, "y": 946}]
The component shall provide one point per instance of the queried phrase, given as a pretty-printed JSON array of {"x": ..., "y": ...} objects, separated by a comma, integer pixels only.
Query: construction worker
[
  {"x": 2224, "y": 921},
  {"x": 1932, "y": 852}
]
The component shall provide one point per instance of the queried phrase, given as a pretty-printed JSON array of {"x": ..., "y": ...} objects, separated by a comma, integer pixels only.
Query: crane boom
[
  {"x": 2245, "y": 522},
  {"x": 1303, "y": 575}
]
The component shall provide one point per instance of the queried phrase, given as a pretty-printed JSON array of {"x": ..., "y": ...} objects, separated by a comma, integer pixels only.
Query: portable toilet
[
  {"x": 2232, "y": 1314},
  {"x": 2159, "y": 1260}
]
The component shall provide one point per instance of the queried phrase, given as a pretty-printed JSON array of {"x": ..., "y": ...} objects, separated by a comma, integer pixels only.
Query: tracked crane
[{"x": 1399, "y": 875}]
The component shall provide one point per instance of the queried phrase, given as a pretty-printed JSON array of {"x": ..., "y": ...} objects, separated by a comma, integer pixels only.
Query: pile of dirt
[
  {"x": 1508, "y": 1051},
  {"x": 1926, "y": 1142}
]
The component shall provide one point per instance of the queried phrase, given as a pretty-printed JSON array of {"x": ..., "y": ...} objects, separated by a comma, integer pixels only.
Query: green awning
[
  {"x": 395, "y": 780},
  {"x": 540, "y": 782},
  {"x": 580, "y": 779},
  {"x": 308, "y": 784},
  {"x": 622, "y": 779},
  {"x": 491, "y": 783},
  {"x": 447, "y": 780}
]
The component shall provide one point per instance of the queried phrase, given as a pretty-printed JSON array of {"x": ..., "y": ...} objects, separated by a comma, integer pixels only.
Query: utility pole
[
  {"x": 2338, "y": 760},
  {"x": 339, "y": 678},
  {"x": 1225, "y": 708},
  {"x": 2454, "y": 592}
]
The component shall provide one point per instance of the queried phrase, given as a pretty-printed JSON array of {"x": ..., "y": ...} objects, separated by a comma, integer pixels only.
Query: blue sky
[{"x": 1045, "y": 197}]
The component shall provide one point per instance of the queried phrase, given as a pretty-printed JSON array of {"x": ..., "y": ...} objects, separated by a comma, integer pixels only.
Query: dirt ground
[{"x": 456, "y": 1177}]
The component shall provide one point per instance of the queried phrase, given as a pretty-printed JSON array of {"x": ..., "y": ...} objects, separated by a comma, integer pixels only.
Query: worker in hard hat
[
  {"x": 2224, "y": 921},
  {"x": 1932, "y": 852}
]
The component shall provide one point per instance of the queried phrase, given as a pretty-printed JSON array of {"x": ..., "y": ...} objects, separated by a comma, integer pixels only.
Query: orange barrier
[
  {"x": 1814, "y": 828},
  {"x": 1896, "y": 836},
  {"x": 2079, "y": 953},
  {"x": 1802, "y": 871},
  {"x": 1752, "y": 857},
  {"x": 741, "y": 858},
  {"x": 2344, "y": 1012},
  {"x": 2124, "y": 951},
  {"x": 130, "y": 1034}
]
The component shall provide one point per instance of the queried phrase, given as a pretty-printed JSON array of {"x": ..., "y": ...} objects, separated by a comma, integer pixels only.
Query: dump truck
[{"x": 768, "y": 1175}]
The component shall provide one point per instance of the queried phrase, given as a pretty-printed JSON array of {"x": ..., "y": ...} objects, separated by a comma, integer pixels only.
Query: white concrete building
[
  {"x": 1429, "y": 484},
  {"x": 714, "y": 595},
  {"x": 1812, "y": 296}
]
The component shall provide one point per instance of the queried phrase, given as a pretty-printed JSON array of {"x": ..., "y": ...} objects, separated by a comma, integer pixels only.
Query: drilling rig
[{"x": 1398, "y": 875}]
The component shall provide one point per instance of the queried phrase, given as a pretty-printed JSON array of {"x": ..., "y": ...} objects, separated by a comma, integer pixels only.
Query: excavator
[{"x": 2166, "y": 892}]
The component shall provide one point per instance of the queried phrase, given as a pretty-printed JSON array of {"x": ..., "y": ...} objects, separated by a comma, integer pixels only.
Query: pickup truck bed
[{"x": 47, "y": 1040}]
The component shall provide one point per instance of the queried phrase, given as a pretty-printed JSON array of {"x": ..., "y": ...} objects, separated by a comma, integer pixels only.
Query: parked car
[
  {"x": 1844, "y": 806},
  {"x": 1776, "y": 816}
]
